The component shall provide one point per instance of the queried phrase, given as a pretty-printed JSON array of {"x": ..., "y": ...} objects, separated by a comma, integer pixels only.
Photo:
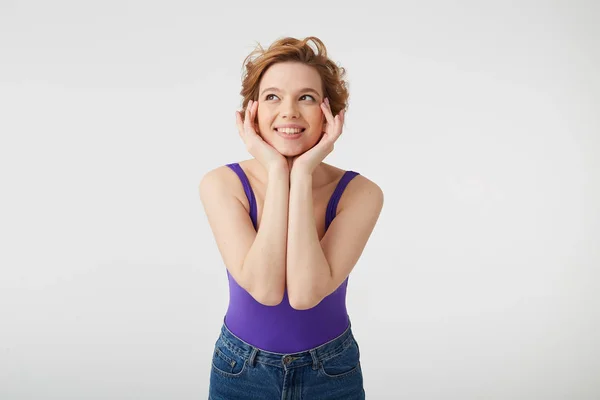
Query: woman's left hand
[{"x": 308, "y": 161}]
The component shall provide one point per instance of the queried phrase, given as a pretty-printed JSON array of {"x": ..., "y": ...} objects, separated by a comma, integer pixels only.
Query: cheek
[
  {"x": 262, "y": 119},
  {"x": 314, "y": 120},
  {"x": 320, "y": 125},
  {"x": 262, "y": 125},
  {"x": 259, "y": 120}
]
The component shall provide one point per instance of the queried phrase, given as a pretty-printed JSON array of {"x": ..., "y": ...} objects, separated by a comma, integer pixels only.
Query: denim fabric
[{"x": 328, "y": 372}]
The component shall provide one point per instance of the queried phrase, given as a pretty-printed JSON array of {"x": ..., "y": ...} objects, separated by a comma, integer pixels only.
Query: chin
[
  {"x": 291, "y": 148},
  {"x": 289, "y": 152}
]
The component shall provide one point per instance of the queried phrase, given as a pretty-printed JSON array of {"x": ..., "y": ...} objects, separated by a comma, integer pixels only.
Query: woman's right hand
[{"x": 266, "y": 154}]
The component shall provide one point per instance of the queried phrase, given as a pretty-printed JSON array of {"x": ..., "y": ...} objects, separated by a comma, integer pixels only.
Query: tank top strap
[
  {"x": 336, "y": 196},
  {"x": 247, "y": 189}
]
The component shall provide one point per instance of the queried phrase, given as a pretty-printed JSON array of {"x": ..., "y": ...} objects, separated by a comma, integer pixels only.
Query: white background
[{"x": 480, "y": 121}]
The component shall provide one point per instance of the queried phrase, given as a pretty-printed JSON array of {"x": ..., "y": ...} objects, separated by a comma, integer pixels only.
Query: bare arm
[
  {"x": 256, "y": 260},
  {"x": 317, "y": 268},
  {"x": 307, "y": 268}
]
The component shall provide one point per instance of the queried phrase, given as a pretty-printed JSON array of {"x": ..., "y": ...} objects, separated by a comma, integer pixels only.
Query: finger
[
  {"x": 248, "y": 118},
  {"x": 253, "y": 113},
  {"x": 342, "y": 115},
  {"x": 336, "y": 131},
  {"x": 239, "y": 123},
  {"x": 248, "y": 107},
  {"x": 337, "y": 127},
  {"x": 327, "y": 111},
  {"x": 247, "y": 111}
]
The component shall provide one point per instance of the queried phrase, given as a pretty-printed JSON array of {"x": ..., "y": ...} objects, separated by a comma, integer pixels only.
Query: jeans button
[{"x": 287, "y": 359}]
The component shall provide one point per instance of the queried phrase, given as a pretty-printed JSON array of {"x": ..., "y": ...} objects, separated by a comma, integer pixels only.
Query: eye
[
  {"x": 267, "y": 96},
  {"x": 308, "y": 96}
]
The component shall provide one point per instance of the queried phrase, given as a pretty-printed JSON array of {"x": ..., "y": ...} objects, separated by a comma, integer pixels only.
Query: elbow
[
  {"x": 271, "y": 298},
  {"x": 302, "y": 305},
  {"x": 304, "y": 302},
  {"x": 268, "y": 292},
  {"x": 305, "y": 297}
]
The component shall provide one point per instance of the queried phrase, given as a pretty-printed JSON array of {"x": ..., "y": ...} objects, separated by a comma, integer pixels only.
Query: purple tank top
[{"x": 281, "y": 328}]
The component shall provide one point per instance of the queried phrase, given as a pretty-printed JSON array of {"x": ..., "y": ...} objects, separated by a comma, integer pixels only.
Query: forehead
[{"x": 291, "y": 76}]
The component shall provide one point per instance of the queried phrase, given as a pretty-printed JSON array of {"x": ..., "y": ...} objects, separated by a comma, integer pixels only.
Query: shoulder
[
  {"x": 219, "y": 182},
  {"x": 364, "y": 193},
  {"x": 217, "y": 179}
]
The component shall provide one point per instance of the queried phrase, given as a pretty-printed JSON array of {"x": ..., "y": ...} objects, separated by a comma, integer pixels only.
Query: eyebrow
[{"x": 274, "y": 89}]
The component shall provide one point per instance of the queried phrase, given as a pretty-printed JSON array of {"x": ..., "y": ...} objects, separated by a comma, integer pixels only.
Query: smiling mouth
[{"x": 290, "y": 131}]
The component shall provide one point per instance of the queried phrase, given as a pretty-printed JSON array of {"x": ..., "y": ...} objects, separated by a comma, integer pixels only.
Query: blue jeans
[{"x": 328, "y": 372}]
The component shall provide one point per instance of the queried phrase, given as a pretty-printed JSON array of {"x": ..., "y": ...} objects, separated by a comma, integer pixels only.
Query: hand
[
  {"x": 308, "y": 161},
  {"x": 266, "y": 154}
]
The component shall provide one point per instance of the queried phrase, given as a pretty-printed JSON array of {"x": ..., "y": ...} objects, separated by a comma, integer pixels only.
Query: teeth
[{"x": 289, "y": 131}]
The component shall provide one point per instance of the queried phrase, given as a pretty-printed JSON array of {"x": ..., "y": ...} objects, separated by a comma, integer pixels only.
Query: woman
[{"x": 288, "y": 237}]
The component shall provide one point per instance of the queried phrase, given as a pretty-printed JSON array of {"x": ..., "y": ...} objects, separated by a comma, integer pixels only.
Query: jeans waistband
[{"x": 312, "y": 356}]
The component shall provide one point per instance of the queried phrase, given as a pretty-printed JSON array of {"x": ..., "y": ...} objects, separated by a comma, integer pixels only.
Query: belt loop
[
  {"x": 252, "y": 356},
  {"x": 315, "y": 359}
]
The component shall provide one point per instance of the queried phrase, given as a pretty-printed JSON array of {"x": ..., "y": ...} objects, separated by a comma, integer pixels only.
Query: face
[{"x": 290, "y": 93}]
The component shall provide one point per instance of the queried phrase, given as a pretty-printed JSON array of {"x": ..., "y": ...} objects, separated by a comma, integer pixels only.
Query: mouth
[{"x": 290, "y": 133}]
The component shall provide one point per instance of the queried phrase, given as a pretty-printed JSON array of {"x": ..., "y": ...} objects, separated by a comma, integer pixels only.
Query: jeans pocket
[
  {"x": 226, "y": 362},
  {"x": 344, "y": 364}
]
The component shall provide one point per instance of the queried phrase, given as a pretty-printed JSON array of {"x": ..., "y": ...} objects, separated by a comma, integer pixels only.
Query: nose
[{"x": 289, "y": 109}]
